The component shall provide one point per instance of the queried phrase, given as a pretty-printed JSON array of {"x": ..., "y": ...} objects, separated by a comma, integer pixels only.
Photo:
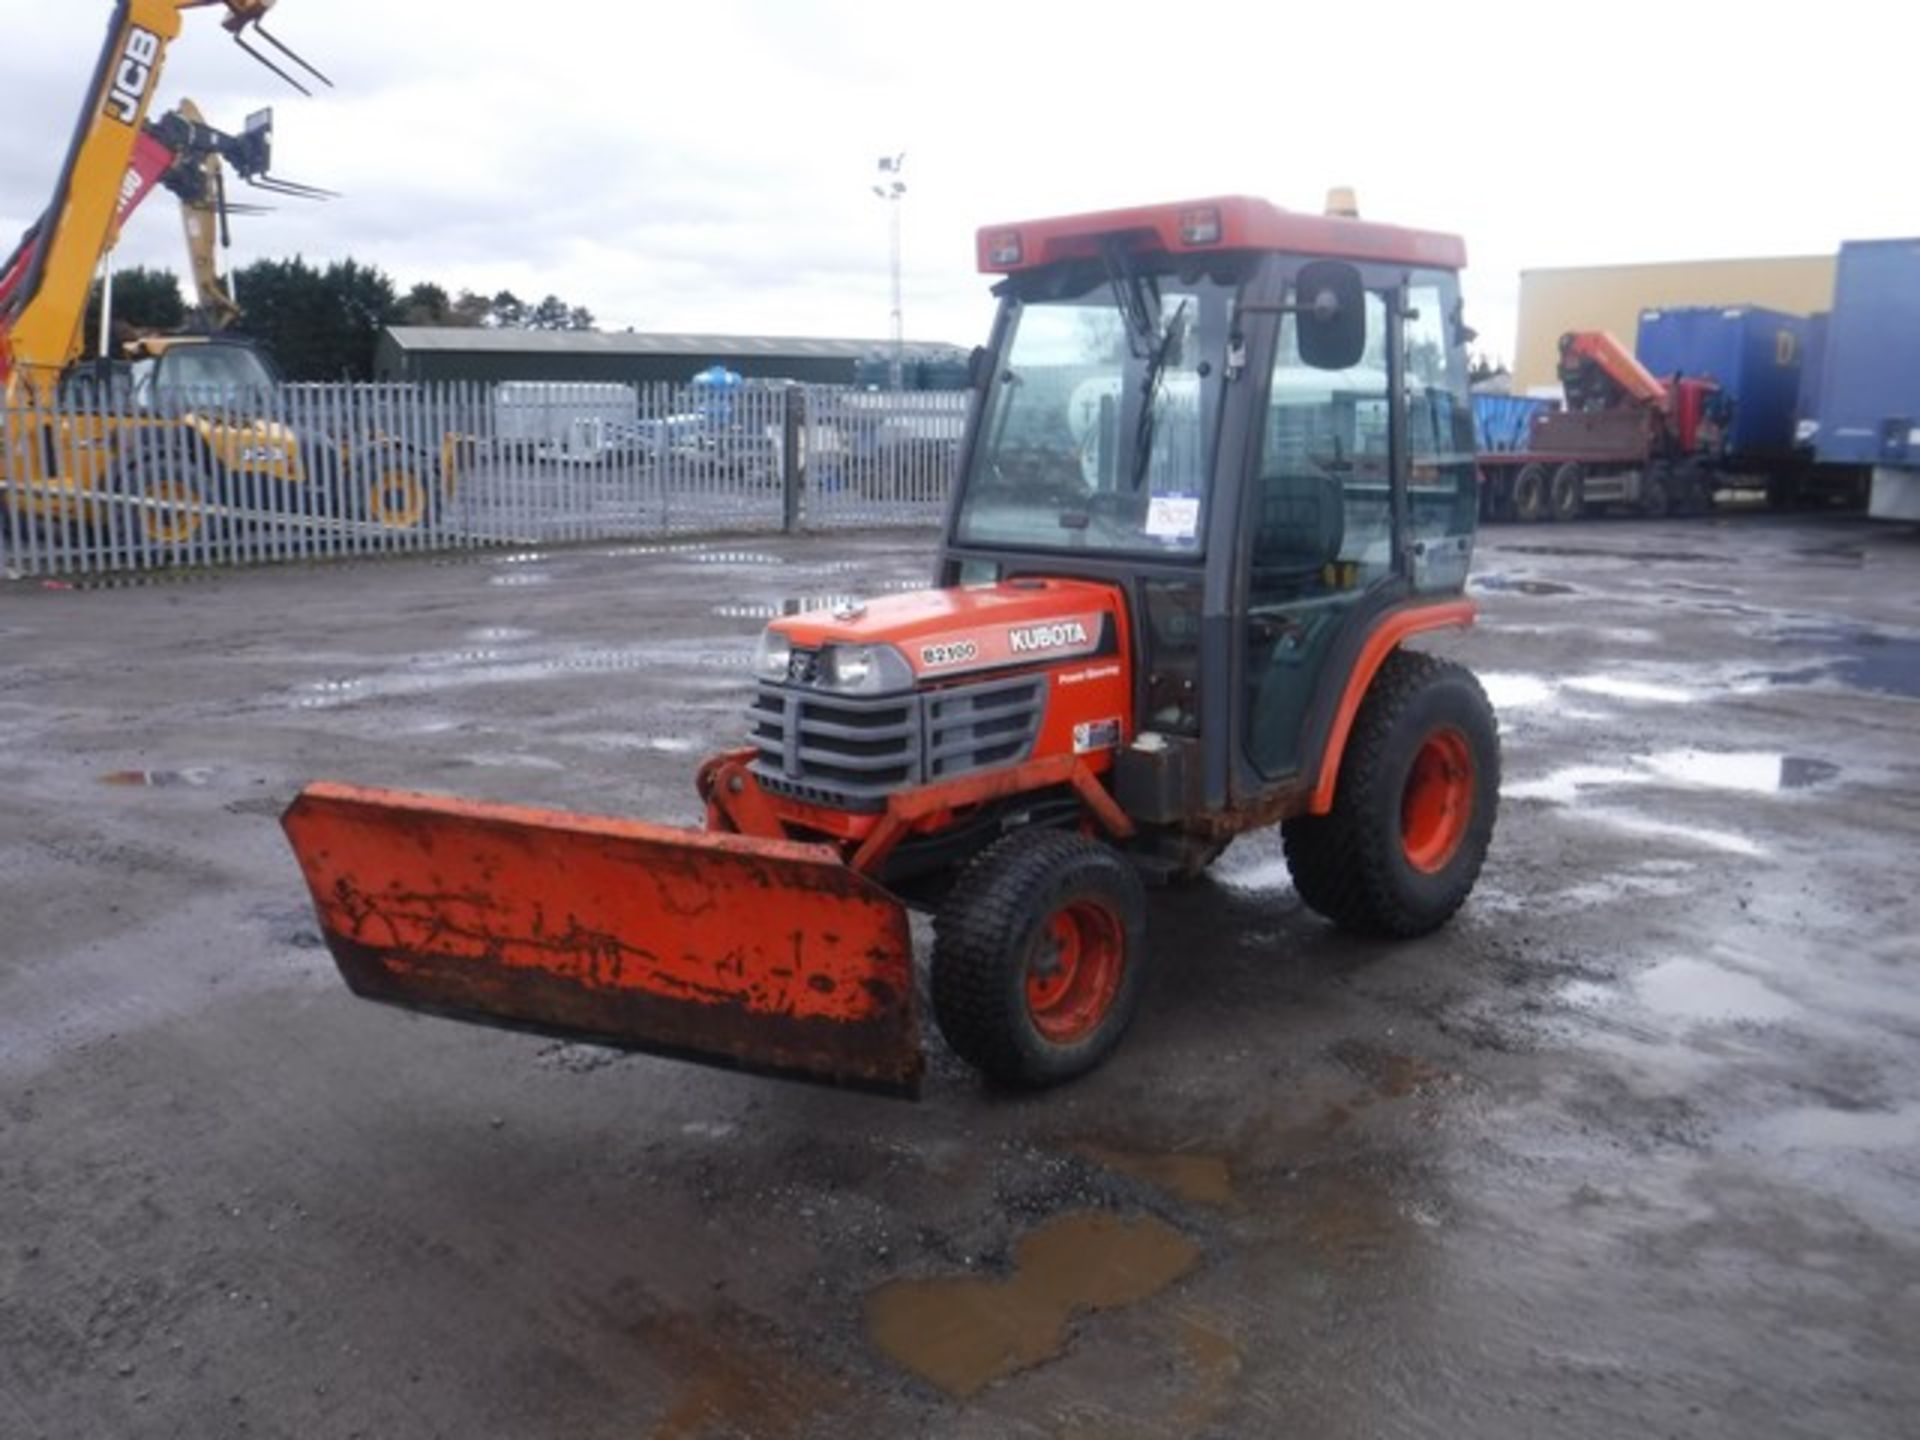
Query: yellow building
[{"x": 1611, "y": 297}]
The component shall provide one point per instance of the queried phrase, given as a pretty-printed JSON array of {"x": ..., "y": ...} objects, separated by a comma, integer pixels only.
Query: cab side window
[
  {"x": 1323, "y": 518},
  {"x": 1442, "y": 489}
]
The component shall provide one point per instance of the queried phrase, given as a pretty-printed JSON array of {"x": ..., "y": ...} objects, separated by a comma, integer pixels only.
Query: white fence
[{"x": 107, "y": 481}]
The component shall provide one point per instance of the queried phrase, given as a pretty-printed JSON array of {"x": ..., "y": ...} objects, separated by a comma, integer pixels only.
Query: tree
[
  {"x": 509, "y": 311},
  {"x": 550, "y": 314},
  {"x": 1481, "y": 367},
  {"x": 319, "y": 324},
  {"x": 470, "y": 310},
  {"x": 144, "y": 301},
  {"x": 426, "y": 304}
]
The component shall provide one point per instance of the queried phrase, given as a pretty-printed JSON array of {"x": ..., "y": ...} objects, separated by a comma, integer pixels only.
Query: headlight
[
  {"x": 771, "y": 655},
  {"x": 865, "y": 669}
]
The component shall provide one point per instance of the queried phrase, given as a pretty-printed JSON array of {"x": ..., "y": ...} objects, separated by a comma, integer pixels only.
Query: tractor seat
[{"x": 1301, "y": 525}]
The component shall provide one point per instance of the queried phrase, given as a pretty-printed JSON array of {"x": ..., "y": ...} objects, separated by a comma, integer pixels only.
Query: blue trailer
[
  {"x": 1752, "y": 354},
  {"x": 1813, "y": 369},
  {"x": 1503, "y": 422},
  {"x": 1869, "y": 411}
]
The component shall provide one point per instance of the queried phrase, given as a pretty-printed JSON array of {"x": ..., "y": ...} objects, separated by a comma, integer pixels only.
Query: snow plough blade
[{"x": 762, "y": 955}]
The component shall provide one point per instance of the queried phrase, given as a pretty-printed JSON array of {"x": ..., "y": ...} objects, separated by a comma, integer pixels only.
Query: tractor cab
[{"x": 1257, "y": 426}]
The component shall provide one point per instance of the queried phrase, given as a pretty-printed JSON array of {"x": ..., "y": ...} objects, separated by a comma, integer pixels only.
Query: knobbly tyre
[{"x": 1217, "y": 471}]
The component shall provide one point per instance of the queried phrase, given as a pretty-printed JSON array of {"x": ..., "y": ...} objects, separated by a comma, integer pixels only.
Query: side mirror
[
  {"x": 979, "y": 368},
  {"x": 1330, "y": 307}
]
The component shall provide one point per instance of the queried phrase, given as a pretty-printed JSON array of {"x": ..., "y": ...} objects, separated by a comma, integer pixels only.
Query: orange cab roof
[{"x": 1226, "y": 222}]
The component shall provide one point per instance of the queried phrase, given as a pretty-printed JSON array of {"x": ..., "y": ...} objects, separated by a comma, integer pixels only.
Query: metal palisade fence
[{"x": 106, "y": 479}]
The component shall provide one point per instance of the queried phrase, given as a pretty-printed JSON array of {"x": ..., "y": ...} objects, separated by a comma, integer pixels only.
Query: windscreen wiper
[
  {"x": 1150, "y": 390},
  {"x": 1135, "y": 296}
]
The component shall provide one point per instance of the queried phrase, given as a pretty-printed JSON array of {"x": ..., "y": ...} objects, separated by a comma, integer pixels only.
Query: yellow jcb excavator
[{"x": 76, "y": 451}]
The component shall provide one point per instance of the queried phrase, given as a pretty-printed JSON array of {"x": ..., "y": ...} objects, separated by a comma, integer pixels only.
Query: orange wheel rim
[
  {"x": 1437, "y": 804},
  {"x": 170, "y": 516},
  {"x": 399, "y": 500},
  {"x": 1074, "y": 972}
]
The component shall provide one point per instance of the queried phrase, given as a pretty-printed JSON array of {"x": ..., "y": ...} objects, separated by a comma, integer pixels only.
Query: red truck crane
[{"x": 1626, "y": 438}]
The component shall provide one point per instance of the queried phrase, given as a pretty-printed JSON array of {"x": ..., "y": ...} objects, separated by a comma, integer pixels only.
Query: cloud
[{"x": 707, "y": 167}]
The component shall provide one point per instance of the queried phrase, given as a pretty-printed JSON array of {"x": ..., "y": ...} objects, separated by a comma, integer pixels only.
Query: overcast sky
[{"x": 706, "y": 166}]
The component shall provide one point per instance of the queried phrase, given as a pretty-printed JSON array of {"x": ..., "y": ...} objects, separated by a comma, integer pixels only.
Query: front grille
[{"x": 852, "y": 751}]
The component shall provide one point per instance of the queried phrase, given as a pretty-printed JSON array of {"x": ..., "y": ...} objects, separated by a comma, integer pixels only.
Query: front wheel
[
  {"x": 1038, "y": 956},
  {"x": 172, "y": 500},
  {"x": 1530, "y": 489},
  {"x": 1414, "y": 806}
]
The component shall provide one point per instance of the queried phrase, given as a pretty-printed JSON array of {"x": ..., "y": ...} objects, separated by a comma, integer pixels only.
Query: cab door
[
  {"x": 1319, "y": 528},
  {"x": 1360, "y": 497}
]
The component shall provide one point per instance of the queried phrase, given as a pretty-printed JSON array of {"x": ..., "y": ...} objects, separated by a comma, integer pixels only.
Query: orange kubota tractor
[{"x": 1218, "y": 470}]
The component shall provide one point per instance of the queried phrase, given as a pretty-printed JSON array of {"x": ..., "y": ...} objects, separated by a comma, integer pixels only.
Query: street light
[{"x": 890, "y": 189}]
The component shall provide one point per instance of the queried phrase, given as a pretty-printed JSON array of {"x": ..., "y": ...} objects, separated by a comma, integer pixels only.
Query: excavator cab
[{"x": 1217, "y": 469}]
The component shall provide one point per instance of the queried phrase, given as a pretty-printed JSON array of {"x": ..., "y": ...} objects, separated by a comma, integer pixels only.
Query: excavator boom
[{"x": 43, "y": 290}]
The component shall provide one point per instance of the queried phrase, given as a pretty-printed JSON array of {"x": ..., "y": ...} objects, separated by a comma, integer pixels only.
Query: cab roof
[{"x": 1224, "y": 222}]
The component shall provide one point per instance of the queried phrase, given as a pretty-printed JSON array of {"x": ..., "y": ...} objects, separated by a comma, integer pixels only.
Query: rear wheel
[
  {"x": 1567, "y": 498},
  {"x": 1039, "y": 951},
  {"x": 1656, "y": 492},
  {"x": 1530, "y": 488},
  {"x": 1413, "y": 812},
  {"x": 393, "y": 489}
]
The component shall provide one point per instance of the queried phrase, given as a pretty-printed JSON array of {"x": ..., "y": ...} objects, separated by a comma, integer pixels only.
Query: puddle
[
  {"x": 1588, "y": 995},
  {"x": 732, "y": 557},
  {"x": 1696, "y": 990},
  {"x": 629, "y": 552},
  {"x": 1354, "y": 1225},
  {"x": 158, "y": 779},
  {"x": 965, "y": 1332},
  {"x": 1391, "y": 1074},
  {"x": 1563, "y": 787},
  {"x": 430, "y": 674},
  {"x": 1845, "y": 554},
  {"x": 1725, "y": 841},
  {"x": 1752, "y": 772},
  {"x": 1865, "y": 660},
  {"x": 1263, "y": 875},
  {"x": 1749, "y": 772},
  {"x": 792, "y": 605},
  {"x": 733, "y": 1377},
  {"x": 1510, "y": 691},
  {"x": 1507, "y": 584},
  {"x": 1619, "y": 687},
  {"x": 504, "y": 760},
  {"x": 1674, "y": 557},
  {"x": 1818, "y": 1127},
  {"x": 1196, "y": 1179}
]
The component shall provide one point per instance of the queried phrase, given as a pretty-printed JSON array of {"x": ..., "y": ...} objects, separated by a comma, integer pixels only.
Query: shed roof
[{"x": 478, "y": 339}]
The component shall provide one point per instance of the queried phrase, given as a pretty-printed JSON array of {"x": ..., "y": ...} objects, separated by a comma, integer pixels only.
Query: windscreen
[
  {"x": 1099, "y": 428},
  {"x": 214, "y": 374}
]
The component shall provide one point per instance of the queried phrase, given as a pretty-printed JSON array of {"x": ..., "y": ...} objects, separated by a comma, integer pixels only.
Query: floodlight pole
[{"x": 890, "y": 189}]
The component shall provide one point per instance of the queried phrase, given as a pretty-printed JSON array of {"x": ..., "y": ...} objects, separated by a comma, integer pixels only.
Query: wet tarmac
[{"x": 1632, "y": 1148}]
